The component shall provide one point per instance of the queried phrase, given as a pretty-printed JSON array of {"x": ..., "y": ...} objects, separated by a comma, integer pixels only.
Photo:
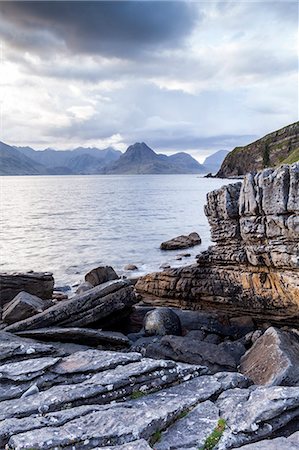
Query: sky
[{"x": 180, "y": 76}]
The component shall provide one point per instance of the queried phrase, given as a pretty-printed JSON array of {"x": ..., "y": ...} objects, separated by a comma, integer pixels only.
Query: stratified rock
[
  {"x": 192, "y": 351},
  {"x": 36, "y": 283},
  {"x": 253, "y": 268},
  {"x": 101, "y": 275},
  {"x": 84, "y": 287},
  {"x": 290, "y": 443},
  {"x": 22, "y": 306},
  {"x": 91, "y": 307},
  {"x": 84, "y": 336},
  {"x": 182, "y": 241},
  {"x": 254, "y": 414},
  {"x": 162, "y": 321},
  {"x": 273, "y": 359}
]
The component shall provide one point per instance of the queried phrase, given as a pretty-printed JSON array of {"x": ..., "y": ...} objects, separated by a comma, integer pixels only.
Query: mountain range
[{"x": 138, "y": 159}]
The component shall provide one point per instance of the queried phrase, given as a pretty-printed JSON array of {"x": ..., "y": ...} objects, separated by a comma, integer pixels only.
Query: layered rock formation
[
  {"x": 281, "y": 146},
  {"x": 254, "y": 267}
]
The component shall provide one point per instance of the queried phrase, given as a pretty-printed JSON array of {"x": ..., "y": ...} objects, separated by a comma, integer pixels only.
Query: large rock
[
  {"x": 94, "y": 306},
  {"x": 22, "y": 306},
  {"x": 253, "y": 268},
  {"x": 162, "y": 321},
  {"x": 40, "y": 284},
  {"x": 181, "y": 242},
  {"x": 101, "y": 275},
  {"x": 273, "y": 359},
  {"x": 290, "y": 443}
]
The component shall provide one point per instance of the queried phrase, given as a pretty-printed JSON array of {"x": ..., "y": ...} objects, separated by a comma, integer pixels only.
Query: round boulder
[{"x": 162, "y": 321}]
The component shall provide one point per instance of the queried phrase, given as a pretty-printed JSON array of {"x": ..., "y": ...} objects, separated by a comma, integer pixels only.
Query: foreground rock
[
  {"x": 273, "y": 359},
  {"x": 101, "y": 275},
  {"x": 181, "y": 242},
  {"x": 24, "y": 305},
  {"x": 96, "y": 306},
  {"x": 290, "y": 443},
  {"x": 40, "y": 284},
  {"x": 254, "y": 267},
  {"x": 162, "y": 321}
]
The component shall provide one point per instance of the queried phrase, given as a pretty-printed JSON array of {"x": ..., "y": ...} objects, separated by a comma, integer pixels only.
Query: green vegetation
[
  {"x": 215, "y": 436},
  {"x": 156, "y": 437},
  {"x": 292, "y": 158},
  {"x": 137, "y": 394},
  {"x": 266, "y": 154}
]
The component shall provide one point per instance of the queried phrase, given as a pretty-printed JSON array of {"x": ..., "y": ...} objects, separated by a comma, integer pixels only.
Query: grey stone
[
  {"x": 22, "y": 306},
  {"x": 31, "y": 391},
  {"x": 84, "y": 287},
  {"x": 162, "y": 321},
  {"x": 182, "y": 241},
  {"x": 141, "y": 444},
  {"x": 273, "y": 359},
  {"x": 130, "y": 267},
  {"x": 27, "y": 369},
  {"x": 290, "y": 443},
  {"x": 36, "y": 283},
  {"x": 101, "y": 275}
]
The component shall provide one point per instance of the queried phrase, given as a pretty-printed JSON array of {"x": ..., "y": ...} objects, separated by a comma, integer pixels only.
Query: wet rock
[
  {"x": 24, "y": 305},
  {"x": 162, "y": 321},
  {"x": 181, "y": 242},
  {"x": 88, "y": 308},
  {"x": 273, "y": 359},
  {"x": 101, "y": 275},
  {"x": 36, "y": 283},
  {"x": 83, "y": 287},
  {"x": 84, "y": 336},
  {"x": 130, "y": 267}
]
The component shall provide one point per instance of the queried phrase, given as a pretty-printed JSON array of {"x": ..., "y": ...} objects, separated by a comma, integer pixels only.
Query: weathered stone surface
[
  {"x": 88, "y": 308},
  {"x": 162, "y": 321},
  {"x": 253, "y": 268},
  {"x": 35, "y": 283},
  {"x": 22, "y": 306},
  {"x": 26, "y": 370},
  {"x": 84, "y": 336},
  {"x": 290, "y": 443},
  {"x": 101, "y": 275},
  {"x": 273, "y": 359},
  {"x": 192, "y": 351},
  {"x": 191, "y": 430},
  {"x": 182, "y": 241},
  {"x": 84, "y": 287},
  {"x": 14, "y": 348},
  {"x": 141, "y": 444},
  {"x": 255, "y": 413}
]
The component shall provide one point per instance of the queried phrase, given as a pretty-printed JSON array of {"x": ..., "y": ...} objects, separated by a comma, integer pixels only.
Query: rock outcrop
[
  {"x": 281, "y": 146},
  {"x": 254, "y": 267},
  {"x": 181, "y": 242}
]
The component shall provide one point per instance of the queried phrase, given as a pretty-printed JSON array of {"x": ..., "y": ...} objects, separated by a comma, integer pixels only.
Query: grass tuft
[{"x": 215, "y": 436}]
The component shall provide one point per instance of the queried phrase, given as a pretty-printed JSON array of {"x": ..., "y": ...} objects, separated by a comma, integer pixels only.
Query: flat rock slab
[
  {"x": 273, "y": 359},
  {"x": 182, "y": 241},
  {"x": 40, "y": 284},
  {"x": 84, "y": 309},
  {"x": 290, "y": 443},
  {"x": 78, "y": 335}
]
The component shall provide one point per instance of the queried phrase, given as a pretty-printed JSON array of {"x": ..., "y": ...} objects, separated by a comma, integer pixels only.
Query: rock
[
  {"x": 184, "y": 255},
  {"x": 252, "y": 270},
  {"x": 273, "y": 359},
  {"x": 181, "y": 242},
  {"x": 35, "y": 283},
  {"x": 290, "y": 443},
  {"x": 84, "y": 287},
  {"x": 59, "y": 296},
  {"x": 94, "y": 306},
  {"x": 192, "y": 351},
  {"x": 256, "y": 413},
  {"x": 130, "y": 267},
  {"x": 84, "y": 336},
  {"x": 162, "y": 321},
  {"x": 141, "y": 344},
  {"x": 212, "y": 338},
  {"x": 101, "y": 275},
  {"x": 165, "y": 266},
  {"x": 31, "y": 391},
  {"x": 141, "y": 444},
  {"x": 22, "y": 306}
]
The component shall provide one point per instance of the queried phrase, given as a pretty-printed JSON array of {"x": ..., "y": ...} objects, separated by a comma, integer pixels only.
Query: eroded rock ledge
[{"x": 253, "y": 268}]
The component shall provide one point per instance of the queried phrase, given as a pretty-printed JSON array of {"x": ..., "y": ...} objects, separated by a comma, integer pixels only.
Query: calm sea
[{"x": 70, "y": 224}]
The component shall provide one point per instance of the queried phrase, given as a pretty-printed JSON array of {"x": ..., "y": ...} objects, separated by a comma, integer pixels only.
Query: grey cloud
[{"x": 117, "y": 28}]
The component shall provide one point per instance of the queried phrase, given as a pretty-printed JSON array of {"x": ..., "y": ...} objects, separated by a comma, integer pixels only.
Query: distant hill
[
  {"x": 213, "y": 162},
  {"x": 141, "y": 159},
  {"x": 13, "y": 162},
  {"x": 278, "y": 147}
]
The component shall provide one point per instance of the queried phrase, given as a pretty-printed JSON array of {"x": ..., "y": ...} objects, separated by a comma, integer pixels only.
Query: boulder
[
  {"x": 101, "y": 275},
  {"x": 96, "y": 306},
  {"x": 130, "y": 267},
  {"x": 84, "y": 287},
  {"x": 24, "y": 305},
  {"x": 182, "y": 241},
  {"x": 273, "y": 359},
  {"x": 162, "y": 321},
  {"x": 40, "y": 284}
]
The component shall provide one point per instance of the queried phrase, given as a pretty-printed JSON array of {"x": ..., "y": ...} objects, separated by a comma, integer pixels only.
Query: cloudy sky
[{"x": 181, "y": 76}]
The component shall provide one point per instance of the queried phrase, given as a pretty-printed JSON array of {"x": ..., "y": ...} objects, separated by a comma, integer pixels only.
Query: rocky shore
[{"x": 201, "y": 357}]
